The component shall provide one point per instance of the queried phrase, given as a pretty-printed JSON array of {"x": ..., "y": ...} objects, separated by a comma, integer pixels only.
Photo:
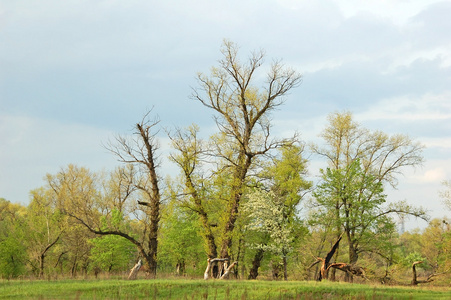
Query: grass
[{"x": 214, "y": 289}]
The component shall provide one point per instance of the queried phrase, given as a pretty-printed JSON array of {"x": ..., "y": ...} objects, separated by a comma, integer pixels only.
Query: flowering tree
[{"x": 268, "y": 215}]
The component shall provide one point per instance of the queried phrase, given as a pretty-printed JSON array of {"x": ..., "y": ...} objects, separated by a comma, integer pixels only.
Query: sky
[{"x": 74, "y": 74}]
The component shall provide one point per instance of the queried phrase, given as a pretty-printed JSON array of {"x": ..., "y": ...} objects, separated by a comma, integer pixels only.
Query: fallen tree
[
  {"x": 323, "y": 274},
  {"x": 220, "y": 272},
  {"x": 350, "y": 269},
  {"x": 415, "y": 281}
]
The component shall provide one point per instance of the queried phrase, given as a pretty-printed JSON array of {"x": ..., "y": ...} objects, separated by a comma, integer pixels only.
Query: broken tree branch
[{"x": 227, "y": 271}]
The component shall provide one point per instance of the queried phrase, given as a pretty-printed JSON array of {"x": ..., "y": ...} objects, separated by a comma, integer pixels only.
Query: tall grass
[{"x": 199, "y": 289}]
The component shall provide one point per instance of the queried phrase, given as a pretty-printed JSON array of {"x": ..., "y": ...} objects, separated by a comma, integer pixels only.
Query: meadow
[{"x": 214, "y": 289}]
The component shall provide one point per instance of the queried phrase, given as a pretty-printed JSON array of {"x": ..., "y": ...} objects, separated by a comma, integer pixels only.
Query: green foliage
[
  {"x": 181, "y": 246},
  {"x": 112, "y": 253},
  {"x": 12, "y": 257},
  {"x": 13, "y": 253},
  {"x": 46, "y": 226},
  {"x": 286, "y": 176},
  {"x": 350, "y": 200}
]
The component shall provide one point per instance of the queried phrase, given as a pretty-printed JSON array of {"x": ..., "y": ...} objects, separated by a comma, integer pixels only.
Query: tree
[
  {"x": 46, "y": 225},
  {"x": 74, "y": 249},
  {"x": 141, "y": 152},
  {"x": 446, "y": 193},
  {"x": 189, "y": 155},
  {"x": 133, "y": 191},
  {"x": 111, "y": 252},
  {"x": 350, "y": 197},
  {"x": 242, "y": 116},
  {"x": 284, "y": 176},
  {"x": 268, "y": 215},
  {"x": 181, "y": 245},
  {"x": 435, "y": 243},
  {"x": 13, "y": 254}
]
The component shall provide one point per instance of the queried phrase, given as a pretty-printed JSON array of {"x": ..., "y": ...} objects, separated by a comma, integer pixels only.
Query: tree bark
[
  {"x": 285, "y": 273},
  {"x": 234, "y": 202},
  {"x": 253, "y": 273},
  {"x": 227, "y": 270}
]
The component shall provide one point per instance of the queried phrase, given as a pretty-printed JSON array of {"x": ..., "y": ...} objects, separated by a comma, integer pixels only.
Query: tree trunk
[
  {"x": 190, "y": 150},
  {"x": 239, "y": 254},
  {"x": 253, "y": 273},
  {"x": 152, "y": 257},
  {"x": 234, "y": 202},
  {"x": 349, "y": 269},
  {"x": 212, "y": 262},
  {"x": 74, "y": 268},
  {"x": 43, "y": 255},
  {"x": 326, "y": 261},
  {"x": 154, "y": 198},
  {"x": 180, "y": 268},
  {"x": 275, "y": 270},
  {"x": 41, "y": 266},
  {"x": 134, "y": 271},
  {"x": 353, "y": 255},
  {"x": 285, "y": 274},
  {"x": 415, "y": 281}
]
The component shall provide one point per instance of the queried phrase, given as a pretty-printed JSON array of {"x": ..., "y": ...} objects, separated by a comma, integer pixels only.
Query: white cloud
[
  {"x": 410, "y": 108},
  {"x": 434, "y": 175},
  {"x": 398, "y": 11}
]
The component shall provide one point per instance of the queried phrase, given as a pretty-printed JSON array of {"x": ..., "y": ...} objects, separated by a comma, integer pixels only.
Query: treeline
[{"x": 242, "y": 200}]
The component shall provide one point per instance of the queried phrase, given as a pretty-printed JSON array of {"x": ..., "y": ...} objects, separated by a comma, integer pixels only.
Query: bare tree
[
  {"x": 189, "y": 155},
  {"x": 131, "y": 191},
  {"x": 242, "y": 115},
  {"x": 141, "y": 151}
]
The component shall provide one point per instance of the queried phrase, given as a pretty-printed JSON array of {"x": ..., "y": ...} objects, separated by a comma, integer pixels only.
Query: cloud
[
  {"x": 434, "y": 175},
  {"x": 410, "y": 108}
]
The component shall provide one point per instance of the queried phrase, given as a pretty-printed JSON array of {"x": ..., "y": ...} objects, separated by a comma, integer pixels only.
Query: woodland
[{"x": 241, "y": 205}]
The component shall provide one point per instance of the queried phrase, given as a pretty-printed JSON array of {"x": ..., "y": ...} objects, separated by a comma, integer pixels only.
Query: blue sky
[{"x": 75, "y": 73}]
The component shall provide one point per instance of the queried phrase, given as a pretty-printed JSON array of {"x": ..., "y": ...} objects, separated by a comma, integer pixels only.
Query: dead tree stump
[
  {"x": 224, "y": 270},
  {"x": 134, "y": 271}
]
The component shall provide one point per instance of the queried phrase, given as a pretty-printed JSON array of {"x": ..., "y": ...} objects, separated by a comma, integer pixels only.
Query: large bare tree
[
  {"x": 141, "y": 152},
  {"x": 242, "y": 98}
]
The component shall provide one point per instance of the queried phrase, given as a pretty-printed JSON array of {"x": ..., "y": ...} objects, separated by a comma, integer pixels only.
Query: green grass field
[{"x": 199, "y": 289}]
